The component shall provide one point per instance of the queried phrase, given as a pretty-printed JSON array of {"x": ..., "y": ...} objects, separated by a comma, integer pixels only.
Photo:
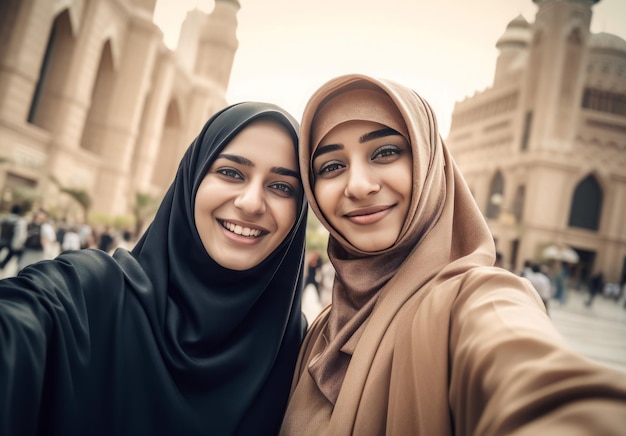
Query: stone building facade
[
  {"x": 544, "y": 148},
  {"x": 91, "y": 98}
]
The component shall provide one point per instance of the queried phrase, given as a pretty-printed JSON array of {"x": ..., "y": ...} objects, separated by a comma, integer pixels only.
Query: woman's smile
[
  {"x": 370, "y": 215},
  {"x": 242, "y": 229},
  {"x": 243, "y": 234}
]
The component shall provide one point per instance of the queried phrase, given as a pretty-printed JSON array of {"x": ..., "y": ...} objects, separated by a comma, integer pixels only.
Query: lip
[
  {"x": 242, "y": 239},
  {"x": 369, "y": 215}
]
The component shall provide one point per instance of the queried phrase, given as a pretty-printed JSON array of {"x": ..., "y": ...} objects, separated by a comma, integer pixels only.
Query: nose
[
  {"x": 251, "y": 199},
  {"x": 361, "y": 181}
]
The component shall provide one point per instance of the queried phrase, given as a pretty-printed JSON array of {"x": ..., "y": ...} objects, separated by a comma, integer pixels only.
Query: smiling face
[
  {"x": 363, "y": 182},
  {"x": 246, "y": 204}
]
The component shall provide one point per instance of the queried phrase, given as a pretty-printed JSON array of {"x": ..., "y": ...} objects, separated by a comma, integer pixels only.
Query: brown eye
[
  {"x": 283, "y": 189},
  {"x": 387, "y": 151},
  {"x": 329, "y": 167},
  {"x": 230, "y": 173}
]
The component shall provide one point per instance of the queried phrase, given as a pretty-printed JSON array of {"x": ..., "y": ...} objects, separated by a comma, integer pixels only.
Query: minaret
[
  {"x": 189, "y": 38},
  {"x": 554, "y": 77},
  {"x": 513, "y": 47},
  {"x": 146, "y": 5},
  {"x": 218, "y": 43}
]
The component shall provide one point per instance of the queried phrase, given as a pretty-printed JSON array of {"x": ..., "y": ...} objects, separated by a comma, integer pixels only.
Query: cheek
[
  {"x": 325, "y": 195},
  {"x": 208, "y": 197},
  {"x": 199, "y": 203},
  {"x": 402, "y": 178},
  {"x": 197, "y": 206},
  {"x": 286, "y": 216}
]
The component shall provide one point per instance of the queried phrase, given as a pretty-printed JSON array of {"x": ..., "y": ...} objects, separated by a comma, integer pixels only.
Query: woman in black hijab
[{"x": 168, "y": 339}]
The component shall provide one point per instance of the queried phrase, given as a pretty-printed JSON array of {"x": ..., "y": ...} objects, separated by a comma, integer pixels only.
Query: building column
[
  {"x": 121, "y": 126},
  {"x": 149, "y": 140},
  {"x": 26, "y": 25}
]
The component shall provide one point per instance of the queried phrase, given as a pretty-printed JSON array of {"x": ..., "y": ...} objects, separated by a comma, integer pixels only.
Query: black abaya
[{"x": 162, "y": 340}]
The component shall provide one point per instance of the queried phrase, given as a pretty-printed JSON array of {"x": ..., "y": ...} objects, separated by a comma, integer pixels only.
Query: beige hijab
[{"x": 444, "y": 233}]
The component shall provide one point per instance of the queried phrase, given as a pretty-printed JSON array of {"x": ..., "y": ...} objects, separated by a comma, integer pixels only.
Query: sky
[{"x": 443, "y": 49}]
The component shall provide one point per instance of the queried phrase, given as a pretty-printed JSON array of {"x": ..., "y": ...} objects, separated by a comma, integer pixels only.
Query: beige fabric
[
  {"x": 427, "y": 337},
  {"x": 357, "y": 104}
]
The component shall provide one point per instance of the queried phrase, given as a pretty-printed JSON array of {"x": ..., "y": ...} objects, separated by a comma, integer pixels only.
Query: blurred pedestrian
[
  {"x": 526, "y": 269},
  {"x": 124, "y": 240},
  {"x": 105, "y": 239},
  {"x": 313, "y": 266},
  {"x": 327, "y": 277},
  {"x": 499, "y": 262},
  {"x": 13, "y": 231},
  {"x": 596, "y": 284},
  {"x": 40, "y": 242},
  {"x": 560, "y": 283},
  {"x": 541, "y": 282},
  {"x": 71, "y": 239}
]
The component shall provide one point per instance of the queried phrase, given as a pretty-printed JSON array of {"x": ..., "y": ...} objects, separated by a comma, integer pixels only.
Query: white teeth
[{"x": 243, "y": 231}]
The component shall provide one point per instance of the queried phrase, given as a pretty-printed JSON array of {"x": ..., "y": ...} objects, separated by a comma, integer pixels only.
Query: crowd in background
[
  {"x": 27, "y": 237},
  {"x": 318, "y": 284},
  {"x": 551, "y": 280}
]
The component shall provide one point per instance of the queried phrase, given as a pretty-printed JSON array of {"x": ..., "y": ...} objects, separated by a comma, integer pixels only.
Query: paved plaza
[{"x": 599, "y": 331}]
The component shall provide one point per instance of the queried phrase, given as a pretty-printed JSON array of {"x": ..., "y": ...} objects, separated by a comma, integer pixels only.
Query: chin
[
  {"x": 235, "y": 264},
  {"x": 372, "y": 246}
]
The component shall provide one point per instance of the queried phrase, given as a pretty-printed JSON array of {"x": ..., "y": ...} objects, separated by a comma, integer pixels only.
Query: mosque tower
[
  {"x": 147, "y": 5},
  {"x": 208, "y": 43},
  {"x": 218, "y": 43},
  {"x": 513, "y": 47},
  {"x": 558, "y": 46},
  {"x": 543, "y": 148}
]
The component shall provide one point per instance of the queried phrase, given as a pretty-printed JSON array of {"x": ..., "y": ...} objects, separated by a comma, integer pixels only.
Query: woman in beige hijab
[{"x": 424, "y": 336}]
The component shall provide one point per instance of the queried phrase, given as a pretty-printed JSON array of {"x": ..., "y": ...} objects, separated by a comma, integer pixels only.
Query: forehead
[
  {"x": 263, "y": 140},
  {"x": 351, "y": 130},
  {"x": 365, "y": 104}
]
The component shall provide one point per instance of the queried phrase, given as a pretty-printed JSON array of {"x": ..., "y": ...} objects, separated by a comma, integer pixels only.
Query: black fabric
[{"x": 158, "y": 341}]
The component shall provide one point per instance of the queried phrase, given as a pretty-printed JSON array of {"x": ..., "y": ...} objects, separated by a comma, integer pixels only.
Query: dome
[
  {"x": 607, "y": 41},
  {"x": 517, "y": 34},
  {"x": 518, "y": 22},
  {"x": 233, "y": 2},
  {"x": 585, "y": 2}
]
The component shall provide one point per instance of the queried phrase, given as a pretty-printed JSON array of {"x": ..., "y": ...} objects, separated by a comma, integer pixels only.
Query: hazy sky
[{"x": 443, "y": 49}]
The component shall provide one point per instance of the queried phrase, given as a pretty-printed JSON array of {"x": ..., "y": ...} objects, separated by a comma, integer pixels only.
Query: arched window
[
  {"x": 52, "y": 73},
  {"x": 101, "y": 97},
  {"x": 495, "y": 199},
  {"x": 586, "y": 204}
]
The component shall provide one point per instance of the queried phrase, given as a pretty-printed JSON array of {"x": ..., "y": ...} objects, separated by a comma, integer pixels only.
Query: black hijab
[{"x": 163, "y": 341}]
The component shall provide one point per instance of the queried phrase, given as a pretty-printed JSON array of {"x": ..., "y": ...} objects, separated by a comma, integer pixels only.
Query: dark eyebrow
[
  {"x": 387, "y": 131},
  {"x": 247, "y": 162},
  {"x": 285, "y": 172},
  {"x": 325, "y": 149},
  {"x": 237, "y": 159}
]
